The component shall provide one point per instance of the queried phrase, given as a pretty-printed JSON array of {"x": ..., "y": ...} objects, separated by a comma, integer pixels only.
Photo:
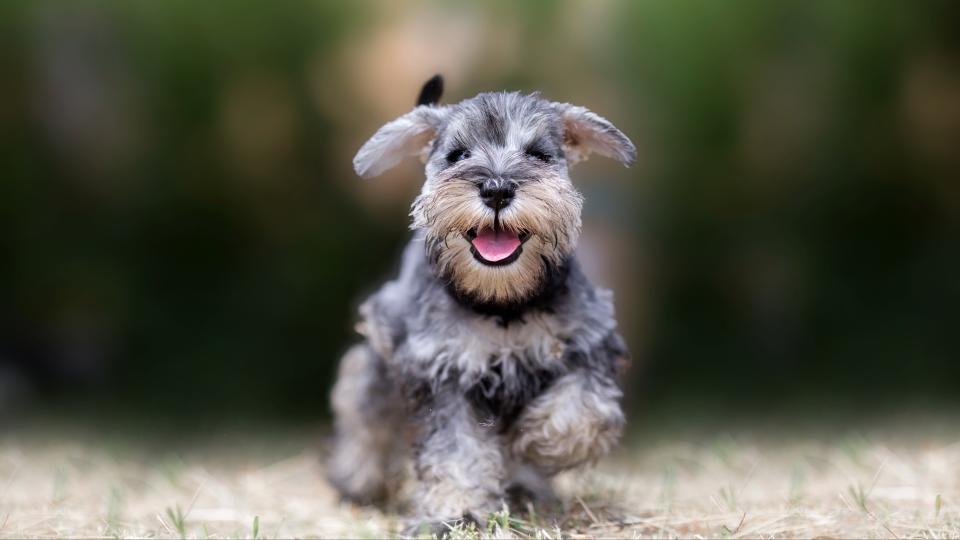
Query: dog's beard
[{"x": 545, "y": 213}]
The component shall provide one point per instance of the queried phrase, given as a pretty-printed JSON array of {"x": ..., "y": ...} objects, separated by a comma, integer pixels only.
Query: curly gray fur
[{"x": 500, "y": 376}]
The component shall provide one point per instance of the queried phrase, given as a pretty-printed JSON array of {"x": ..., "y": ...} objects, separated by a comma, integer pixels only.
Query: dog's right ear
[{"x": 405, "y": 136}]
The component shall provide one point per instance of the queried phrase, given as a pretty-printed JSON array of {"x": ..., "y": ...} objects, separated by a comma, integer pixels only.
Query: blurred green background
[{"x": 182, "y": 236}]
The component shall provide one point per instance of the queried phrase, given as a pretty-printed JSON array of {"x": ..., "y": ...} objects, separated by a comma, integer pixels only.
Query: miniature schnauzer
[{"x": 491, "y": 359}]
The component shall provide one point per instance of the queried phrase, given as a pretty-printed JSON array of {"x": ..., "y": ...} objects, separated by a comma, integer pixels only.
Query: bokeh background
[{"x": 182, "y": 237}]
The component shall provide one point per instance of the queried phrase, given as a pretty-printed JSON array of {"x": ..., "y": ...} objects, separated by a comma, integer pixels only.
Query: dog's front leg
[
  {"x": 577, "y": 420},
  {"x": 458, "y": 462}
]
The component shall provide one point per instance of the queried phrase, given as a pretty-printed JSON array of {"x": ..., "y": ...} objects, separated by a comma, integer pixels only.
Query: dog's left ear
[{"x": 586, "y": 132}]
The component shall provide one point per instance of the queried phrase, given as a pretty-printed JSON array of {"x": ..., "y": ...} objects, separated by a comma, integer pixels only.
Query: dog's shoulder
[{"x": 387, "y": 313}]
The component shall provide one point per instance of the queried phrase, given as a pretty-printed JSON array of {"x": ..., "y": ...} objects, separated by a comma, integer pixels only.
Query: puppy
[{"x": 490, "y": 359}]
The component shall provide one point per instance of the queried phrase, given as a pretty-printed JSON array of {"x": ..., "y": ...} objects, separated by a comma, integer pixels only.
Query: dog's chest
[
  {"x": 479, "y": 348},
  {"x": 500, "y": 369},
  {"x": 505, "y": 388},
  {"x": 505, "y": 367},
  {"x": 484, "y": 347}
]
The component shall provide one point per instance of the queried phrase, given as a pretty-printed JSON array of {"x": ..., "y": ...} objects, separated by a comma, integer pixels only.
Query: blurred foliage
[{"x": 180, "y": 230}]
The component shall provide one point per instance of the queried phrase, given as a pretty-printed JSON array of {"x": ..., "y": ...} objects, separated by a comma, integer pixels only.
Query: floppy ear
[
  {"x": 405, "y": 136},
  {"x": 586, "y": 132}
]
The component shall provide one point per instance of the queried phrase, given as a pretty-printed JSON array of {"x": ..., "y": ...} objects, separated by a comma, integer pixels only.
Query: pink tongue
[{"x": 496, "y": 246}]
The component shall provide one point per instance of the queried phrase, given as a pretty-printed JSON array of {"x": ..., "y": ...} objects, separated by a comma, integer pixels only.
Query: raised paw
[{"x": 576, "y": 422}]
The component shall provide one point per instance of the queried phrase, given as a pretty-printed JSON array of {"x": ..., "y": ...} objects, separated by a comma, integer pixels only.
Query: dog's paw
[{"x": 444, "y": 528}]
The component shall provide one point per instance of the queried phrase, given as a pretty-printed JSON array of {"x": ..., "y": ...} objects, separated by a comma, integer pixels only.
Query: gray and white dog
[{"x": 491, "y": 359}]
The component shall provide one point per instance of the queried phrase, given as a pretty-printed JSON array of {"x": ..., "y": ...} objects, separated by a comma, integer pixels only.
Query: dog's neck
[{"x": 552, "y": 287}]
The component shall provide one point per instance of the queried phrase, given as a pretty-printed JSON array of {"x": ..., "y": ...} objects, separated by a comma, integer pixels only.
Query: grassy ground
[{"x": 853, "y": 486}]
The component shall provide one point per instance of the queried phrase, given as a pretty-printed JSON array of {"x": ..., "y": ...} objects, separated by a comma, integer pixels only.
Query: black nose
[{"x": 497, "y": 194}]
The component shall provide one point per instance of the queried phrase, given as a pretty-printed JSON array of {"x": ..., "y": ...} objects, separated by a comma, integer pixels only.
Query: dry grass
[{"x": 850, "y": 486}]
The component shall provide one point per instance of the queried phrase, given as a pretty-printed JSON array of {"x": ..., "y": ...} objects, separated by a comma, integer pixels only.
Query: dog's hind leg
[{"x": 368, "y": 413}]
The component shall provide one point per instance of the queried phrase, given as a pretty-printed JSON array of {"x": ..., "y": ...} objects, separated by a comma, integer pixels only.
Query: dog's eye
[
  {"x": 457, "y": 154},
  {"x": 538, "y": 154}
]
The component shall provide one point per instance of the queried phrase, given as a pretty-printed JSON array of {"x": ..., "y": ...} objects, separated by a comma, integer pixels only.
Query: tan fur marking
[{"x": 548, "y": 209}]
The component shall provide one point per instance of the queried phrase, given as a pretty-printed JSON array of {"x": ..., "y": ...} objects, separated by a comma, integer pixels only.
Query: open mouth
[{"x": 496, "y": 246}]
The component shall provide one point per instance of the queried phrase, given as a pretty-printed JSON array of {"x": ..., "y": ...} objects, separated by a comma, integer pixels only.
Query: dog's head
[{"x": 498, "y": 208}]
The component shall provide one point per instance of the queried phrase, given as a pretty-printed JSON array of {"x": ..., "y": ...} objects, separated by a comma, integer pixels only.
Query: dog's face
[{"x": 498, "y": 208}]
